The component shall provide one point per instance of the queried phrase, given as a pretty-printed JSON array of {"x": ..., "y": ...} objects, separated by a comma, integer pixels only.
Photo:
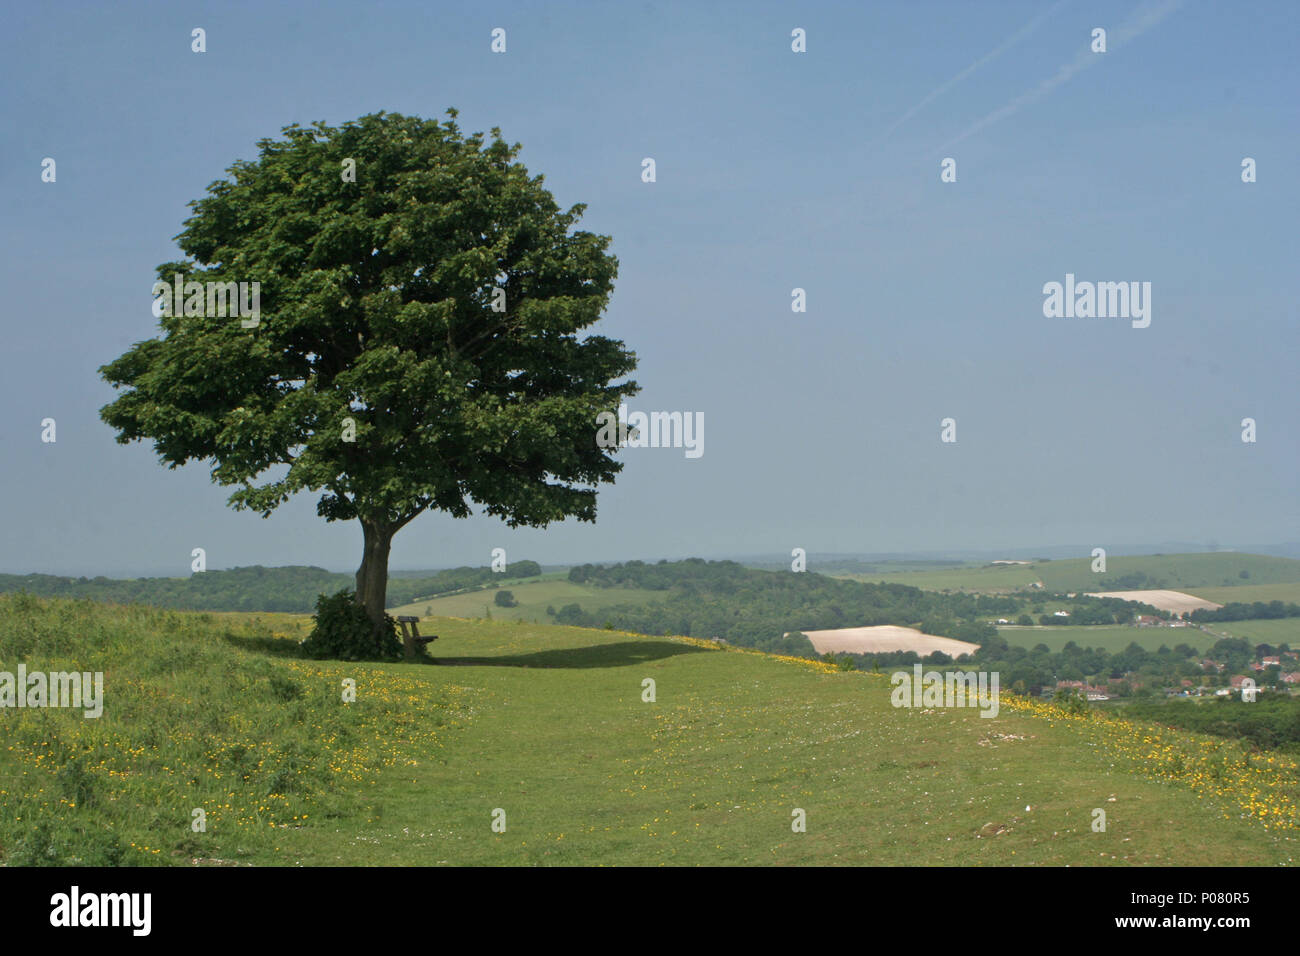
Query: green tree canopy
[{"x": 417, "y": 346}]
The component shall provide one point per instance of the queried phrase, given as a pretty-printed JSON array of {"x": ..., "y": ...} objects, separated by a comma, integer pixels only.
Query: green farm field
[
  {"x": 1283, "y": 631},
  {"x": 546, "y": 727},
  {"x": 533, "y": 597},
  {"x": 1218, "y": 573},
  {"x": 1247, "y": 593},
  {"x": 970, "y": 578}
]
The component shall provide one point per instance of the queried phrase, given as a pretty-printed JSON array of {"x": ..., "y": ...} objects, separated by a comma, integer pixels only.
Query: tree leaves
[{"x": 376, "y": 305}]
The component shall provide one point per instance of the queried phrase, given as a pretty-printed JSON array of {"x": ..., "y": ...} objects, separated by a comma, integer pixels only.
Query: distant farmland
[
  {"x": 1112, "y": 639},
  {"x": 974, "y": 577},
  {"x": 1207, "y": 575},
  {"x": 1175, "y": 602},
  {"x": 533, "y": 598},
  {"x": 885, "y": 639},
  {"x": 1283, "y": 631},
  {"x": 1247, "y": 593}
]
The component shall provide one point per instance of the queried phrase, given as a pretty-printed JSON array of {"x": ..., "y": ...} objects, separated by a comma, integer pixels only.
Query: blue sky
[{"x": 775, "y": 170}]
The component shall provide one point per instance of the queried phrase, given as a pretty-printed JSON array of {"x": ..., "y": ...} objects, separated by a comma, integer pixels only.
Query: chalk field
[
  {"x": 1175, "y": 601},
  {"x": 884, "y": 639}
]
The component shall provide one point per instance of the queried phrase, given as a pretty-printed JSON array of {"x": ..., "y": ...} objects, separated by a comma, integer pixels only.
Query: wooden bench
[{"x": 411, "y": 635}]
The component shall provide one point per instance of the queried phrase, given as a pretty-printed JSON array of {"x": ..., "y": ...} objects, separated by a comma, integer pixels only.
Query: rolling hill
[
  {"x": 549, "y": 730},
  {"x": 1216, "y": 571},
  {"x": 533, "y": 598}
]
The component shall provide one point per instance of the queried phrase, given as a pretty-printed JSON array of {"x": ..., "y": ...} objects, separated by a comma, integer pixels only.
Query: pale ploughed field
[
  {"x": 884, "y": 639},
  {"x": 1174, "y": 601}
]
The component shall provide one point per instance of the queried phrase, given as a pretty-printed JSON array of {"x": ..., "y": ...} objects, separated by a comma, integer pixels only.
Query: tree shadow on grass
[
  {"x": 272, "y": 646},
  {"x": 620, "y": 654},
  {"x": 287, "y": 647}
]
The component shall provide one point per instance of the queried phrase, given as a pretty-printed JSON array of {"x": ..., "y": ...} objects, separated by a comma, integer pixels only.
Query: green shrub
[
  {"x": 345, "y": 632},
  {"x": 843, "y": 662},
  {"x": 1071, "y": 701}
]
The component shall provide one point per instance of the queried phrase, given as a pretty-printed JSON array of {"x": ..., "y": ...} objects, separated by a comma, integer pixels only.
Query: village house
[{"x": 1090, "y": 692}]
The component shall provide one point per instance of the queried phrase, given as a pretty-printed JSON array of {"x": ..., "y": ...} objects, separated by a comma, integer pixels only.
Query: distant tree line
[
  {"x": 1087, "y": 611},
  {"x": 1254, "y": 611},
  {"x": 256, "y": 588},
  {"x": 756, "y": 608}
]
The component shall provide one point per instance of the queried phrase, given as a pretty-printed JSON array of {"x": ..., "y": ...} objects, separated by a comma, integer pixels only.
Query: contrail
[
  {"x": 997, "y": 51},
  {"x": 1142, "y": 20}
]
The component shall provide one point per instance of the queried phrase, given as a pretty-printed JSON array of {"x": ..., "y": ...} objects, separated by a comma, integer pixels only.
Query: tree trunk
[{"x": 372, "y": 576}]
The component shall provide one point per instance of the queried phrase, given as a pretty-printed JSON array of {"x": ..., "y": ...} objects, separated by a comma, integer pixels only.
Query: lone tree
[{"x": 416, "y": 345}]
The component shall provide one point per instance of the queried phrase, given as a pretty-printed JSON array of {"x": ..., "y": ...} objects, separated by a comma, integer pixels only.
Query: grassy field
[
  {"x": 970, "y": 578},
  {"x": 548, "y": 726},
  {"x": 533, "y": 598},
  {"x": 1112, "y": 639},
  {"x": 1284, "y": 631},
  {"x": 1207, "y": 575},
  {"x": 1250, "y": 592}
]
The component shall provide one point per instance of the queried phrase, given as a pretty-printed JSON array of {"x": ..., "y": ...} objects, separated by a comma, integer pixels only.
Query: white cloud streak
[
  {"x": 1142, "y": 20},
  {"x": 993, "y": 54}
]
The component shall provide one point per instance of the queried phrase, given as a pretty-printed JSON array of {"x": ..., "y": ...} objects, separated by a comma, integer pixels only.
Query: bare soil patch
[
  {"x": 883, "y": 639},
  {"x": 1174, "y": 601}
]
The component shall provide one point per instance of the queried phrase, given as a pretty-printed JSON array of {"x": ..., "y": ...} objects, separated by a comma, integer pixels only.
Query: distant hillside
[
  {"x": 853, "y": 566},
  {"x": 1180, "y": 572},
  {"x": 291, "y": 589},
  {"x": 1175, "y": 571},
  {"x": 767, "y": 609}
]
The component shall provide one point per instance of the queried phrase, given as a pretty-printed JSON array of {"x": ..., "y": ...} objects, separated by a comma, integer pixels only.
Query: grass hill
[
  {"x": 532, "y": 599},
  {"x": 548, "y": 724}
]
